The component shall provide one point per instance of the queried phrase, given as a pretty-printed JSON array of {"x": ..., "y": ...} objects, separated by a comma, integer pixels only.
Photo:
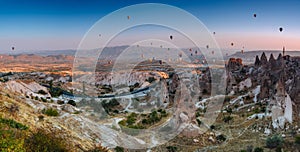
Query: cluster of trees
[
  {"x": 109, "y": 105},
  {"x": 154, "y": 117}
]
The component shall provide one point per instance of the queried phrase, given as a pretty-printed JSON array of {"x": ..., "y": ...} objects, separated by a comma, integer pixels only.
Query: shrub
[
  {"x": 42, "y": 92},
  {"x": 172, "y": 148},
  {"x": 43, "y": 99},
  {"x": 221, "y": 137},
  {"x": 42, "y": 142},
  {"x": 227, "y": 99},
  {"x": 297, "y": 140},
  {"x": 274, "y": 142},
  {"x": 258, "y": 149},
  {"x": 13, "y": 124},
  {"x": 60, "y": 102},
  {"x": 72, "y": 102},
  {"x": 151, "y": 79},
  {"x": 50, "y": 112},
  {"x": 119, "y": 149},
  {"x": 227, "y": 119},
  {"x": 199, "y": 122},
  {"x": 11, "y": 139}
]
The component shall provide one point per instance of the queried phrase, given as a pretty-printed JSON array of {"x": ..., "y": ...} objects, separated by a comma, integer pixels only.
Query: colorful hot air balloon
[
  {"x": 254, "y": 15},
  {"x": 171, "y": 37}
]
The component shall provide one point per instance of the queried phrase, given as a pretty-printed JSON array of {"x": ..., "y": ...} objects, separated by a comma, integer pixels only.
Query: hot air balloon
[
  {"x": 180, "y": 54},
  {"x": 190, "y": 50},
  {"x": 99, "y": 35},
  {"x": 128, "y": 17},
  {"x": 171, "y": 37},
  {"x": 232, "y": 44},
  {"x": 12, "y": 48},
  {"x": 214, "y": 33},
  {"x": 207, "y": 46},
  {"x": 254, "y": 15},
  {"x": 191, "y": 54},
  {"x": 280, "y": 29},
  {"x": 196, "y": 52}
]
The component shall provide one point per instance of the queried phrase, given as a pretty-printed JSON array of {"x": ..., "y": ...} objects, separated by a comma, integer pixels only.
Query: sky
[{"x": 59, "y": 25}]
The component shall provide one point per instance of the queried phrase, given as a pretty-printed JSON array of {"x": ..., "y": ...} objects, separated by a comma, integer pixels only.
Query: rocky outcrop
[
  {"x": 257, "y": 61},
  {"x": 263, "y": 59}
]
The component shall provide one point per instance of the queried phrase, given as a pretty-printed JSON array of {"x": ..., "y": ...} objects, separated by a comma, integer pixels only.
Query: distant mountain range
[{"x": 114, "y": 52}]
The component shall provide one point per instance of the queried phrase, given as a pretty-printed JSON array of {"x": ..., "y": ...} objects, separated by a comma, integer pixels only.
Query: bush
[
  {"x": 151, "y": 79},
  {"x": 297, "y": 140},
  {"x": 11, "y": 139},
  {"x": 60, "y": 102},
  {"x": 13, "y": 124},
  {"x": 172, "y": 148},
  {"x": 72, "y": 102},
  {"x": 227, "y": 119},
  {"x": 258, "y": 149},
  {"x": 274, "y": 142},
  {"x": 199, "y": 121},
  {"x": 50, "y": 112},
  {"x": 42, "y": 92},
  {"x": 119, "y": 149},
  {"x": 221, "y": 137},
  {"x": 43, "y": 99},
  {"x": 42, "y": 142}
]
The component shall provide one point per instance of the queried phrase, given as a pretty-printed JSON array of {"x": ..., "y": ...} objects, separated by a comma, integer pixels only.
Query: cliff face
[{"x": 284, "y": 70}]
